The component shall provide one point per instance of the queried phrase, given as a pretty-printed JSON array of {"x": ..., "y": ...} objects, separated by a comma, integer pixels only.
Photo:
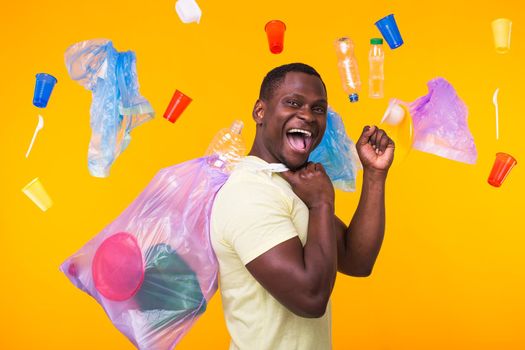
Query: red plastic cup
[
  {"x": 502, "y": 165},
  {"x": 275, "y": 32},
  {"x": 177, "y": 105}
]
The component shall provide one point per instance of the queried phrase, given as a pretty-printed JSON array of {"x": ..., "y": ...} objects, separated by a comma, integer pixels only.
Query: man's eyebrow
[
  {"x": 293, "y": 94},
  {"x": 321, "y": 101}
]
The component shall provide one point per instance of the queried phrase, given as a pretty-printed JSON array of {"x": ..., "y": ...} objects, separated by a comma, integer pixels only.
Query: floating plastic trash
[
  {"x": 117, "y": 106},
  {"x": 337, "y": 154}
]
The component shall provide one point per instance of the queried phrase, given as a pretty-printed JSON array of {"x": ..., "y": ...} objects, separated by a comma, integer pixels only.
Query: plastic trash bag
[
  {"x": 337, "y": 154},
  {"x": 153, "y": 269},
  {"x": 440, "y": 124},
  {"x": 117, "y": 105}
]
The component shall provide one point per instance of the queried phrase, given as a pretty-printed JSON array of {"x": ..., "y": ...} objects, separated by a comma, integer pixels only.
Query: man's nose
[{"x": 305, "y": 114}]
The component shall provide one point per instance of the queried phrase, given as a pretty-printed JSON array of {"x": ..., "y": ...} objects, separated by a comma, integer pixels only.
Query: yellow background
[{"x": 451, "y": 272}]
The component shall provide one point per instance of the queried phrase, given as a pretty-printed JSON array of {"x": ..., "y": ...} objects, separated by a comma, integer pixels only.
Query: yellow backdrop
[{"x": 451, "y": 272}]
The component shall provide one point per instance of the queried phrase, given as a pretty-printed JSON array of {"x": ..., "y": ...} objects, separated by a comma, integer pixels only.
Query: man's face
[{"x": 292, "y": 122}]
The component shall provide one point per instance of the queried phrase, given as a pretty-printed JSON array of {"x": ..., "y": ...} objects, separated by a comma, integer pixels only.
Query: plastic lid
[
  {"x": 118, "y": 267},
  {"x": 353, "y": 97},
  {"x": 376, "y": 41}
]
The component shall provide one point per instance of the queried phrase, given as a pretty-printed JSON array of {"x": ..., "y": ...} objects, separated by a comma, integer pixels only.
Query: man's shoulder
[
  {"x": 249, "y": 204},
  {"x": 249, "y": 183}
]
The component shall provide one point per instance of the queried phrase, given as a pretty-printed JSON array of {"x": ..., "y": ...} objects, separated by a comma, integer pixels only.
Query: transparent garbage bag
[
  {"x": 117, "y": 106},
  {"x": 153, "y": 269},
  {"x": 440, "y": 124}
]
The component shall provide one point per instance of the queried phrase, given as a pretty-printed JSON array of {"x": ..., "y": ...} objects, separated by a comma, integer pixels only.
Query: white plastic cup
[
  {"x": 188, "y": 11},
  {"x": 394, "y": 114}
]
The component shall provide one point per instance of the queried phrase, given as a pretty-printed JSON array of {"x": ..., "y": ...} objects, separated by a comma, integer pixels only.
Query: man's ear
[{"x": 258, "y": 111}]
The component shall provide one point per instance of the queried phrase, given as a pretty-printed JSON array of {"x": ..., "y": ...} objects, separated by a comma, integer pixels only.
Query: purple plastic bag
[
  {"x": 440, "y": 124},
  {"x": 153, "y": 269}
]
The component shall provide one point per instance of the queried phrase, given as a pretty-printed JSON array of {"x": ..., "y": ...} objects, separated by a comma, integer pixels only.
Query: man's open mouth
[{"x": 299, "y": 139}]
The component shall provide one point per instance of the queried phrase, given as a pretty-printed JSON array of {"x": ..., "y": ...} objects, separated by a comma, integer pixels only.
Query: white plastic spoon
[
  {"x": 495, "y": 101},
  {"x": 39, "y": 127}
]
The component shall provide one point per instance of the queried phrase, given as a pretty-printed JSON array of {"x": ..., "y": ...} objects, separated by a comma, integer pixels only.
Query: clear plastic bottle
[
  {"x": 228, "y": 147},
  {"x": 376, "y": 76},
  {"x": 348, "y": 70}
]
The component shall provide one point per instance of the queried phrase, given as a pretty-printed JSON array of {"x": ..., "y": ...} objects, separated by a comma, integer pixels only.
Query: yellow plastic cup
[
  {"x": 501, "y": 29},
  {"x": 38, "y": 194}
]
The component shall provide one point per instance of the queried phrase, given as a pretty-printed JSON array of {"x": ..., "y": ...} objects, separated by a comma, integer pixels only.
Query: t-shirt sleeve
[{"x": 258, "y": 218}]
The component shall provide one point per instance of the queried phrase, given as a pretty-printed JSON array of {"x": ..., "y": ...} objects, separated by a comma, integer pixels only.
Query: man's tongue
[{"x": 298, "y": 141}]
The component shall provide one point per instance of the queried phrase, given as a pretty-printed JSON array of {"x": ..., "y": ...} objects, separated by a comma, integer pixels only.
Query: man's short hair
[{"x": 276, "y": 76}]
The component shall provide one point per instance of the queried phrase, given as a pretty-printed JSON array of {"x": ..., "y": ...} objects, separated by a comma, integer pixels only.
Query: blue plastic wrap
[
  {"x": 337, "y": 154},
  {"x": 117, "y": 105}
]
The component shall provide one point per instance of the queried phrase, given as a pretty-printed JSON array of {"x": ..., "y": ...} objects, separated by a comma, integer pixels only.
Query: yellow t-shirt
[{"x": 253, "y": 212}]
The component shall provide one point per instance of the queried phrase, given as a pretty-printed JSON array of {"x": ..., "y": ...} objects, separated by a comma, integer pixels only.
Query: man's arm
[
  {"x": 359, "y": 243},
  {"x": 302, "y": 278}
]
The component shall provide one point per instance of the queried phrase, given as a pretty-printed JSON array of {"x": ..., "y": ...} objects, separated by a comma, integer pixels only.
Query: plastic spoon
[
  {"x": 495, "y": 102},
  {"x": 39, "y": 127}
]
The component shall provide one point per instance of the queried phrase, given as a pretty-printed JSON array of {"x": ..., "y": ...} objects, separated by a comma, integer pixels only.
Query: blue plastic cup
[
  {"x": 43, "y": 88},
  {"x": 388, "y": 28}
]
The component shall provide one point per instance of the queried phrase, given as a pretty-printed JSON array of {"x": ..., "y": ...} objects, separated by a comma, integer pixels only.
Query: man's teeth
[{"x": 307, "y": 133}]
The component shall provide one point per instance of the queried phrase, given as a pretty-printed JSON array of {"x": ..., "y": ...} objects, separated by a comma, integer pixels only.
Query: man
[{"x": 277, "y": 239}]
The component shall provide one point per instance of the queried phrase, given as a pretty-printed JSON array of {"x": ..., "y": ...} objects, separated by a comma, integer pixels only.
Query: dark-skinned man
[{"x": 276, "y": 237}]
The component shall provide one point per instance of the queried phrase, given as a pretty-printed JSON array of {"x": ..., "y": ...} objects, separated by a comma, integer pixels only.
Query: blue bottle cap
[{"x": 353, "y": 97}]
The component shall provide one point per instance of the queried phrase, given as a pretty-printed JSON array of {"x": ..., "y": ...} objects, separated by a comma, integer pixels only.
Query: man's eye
[
  {"x": 293, "y": 103},
  {"x": 319, "y": 110}
]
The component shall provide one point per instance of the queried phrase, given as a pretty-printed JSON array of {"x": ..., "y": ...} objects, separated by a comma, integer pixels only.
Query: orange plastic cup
[
  {"x": 177, "y": 105},
  {"x": 275, "y": 32},
  {"x": 502, "y": 166}
]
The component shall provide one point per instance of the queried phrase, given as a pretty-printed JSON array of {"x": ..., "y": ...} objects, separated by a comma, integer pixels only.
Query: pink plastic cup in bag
[{"x": 118, "y": 268}]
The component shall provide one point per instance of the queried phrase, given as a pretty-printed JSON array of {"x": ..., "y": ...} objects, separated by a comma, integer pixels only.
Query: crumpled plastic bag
[
  {"x": 117, "y": 105},
  {"x": 153, "y": 269},
  {"x": 440, "y": 124},
  {"x": 337, "y": 154}
]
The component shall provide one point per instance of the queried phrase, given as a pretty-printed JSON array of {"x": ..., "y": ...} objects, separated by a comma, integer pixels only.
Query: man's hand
[
  {"x": 375, "y": 149},
  {"x": 311, "y": 184}
]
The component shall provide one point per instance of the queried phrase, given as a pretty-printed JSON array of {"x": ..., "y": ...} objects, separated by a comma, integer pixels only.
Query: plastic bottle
[
  {"x": 228, "y": 147},
  {"x": 376, "y": 76},
  {"x": 348, "y": 70}
]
